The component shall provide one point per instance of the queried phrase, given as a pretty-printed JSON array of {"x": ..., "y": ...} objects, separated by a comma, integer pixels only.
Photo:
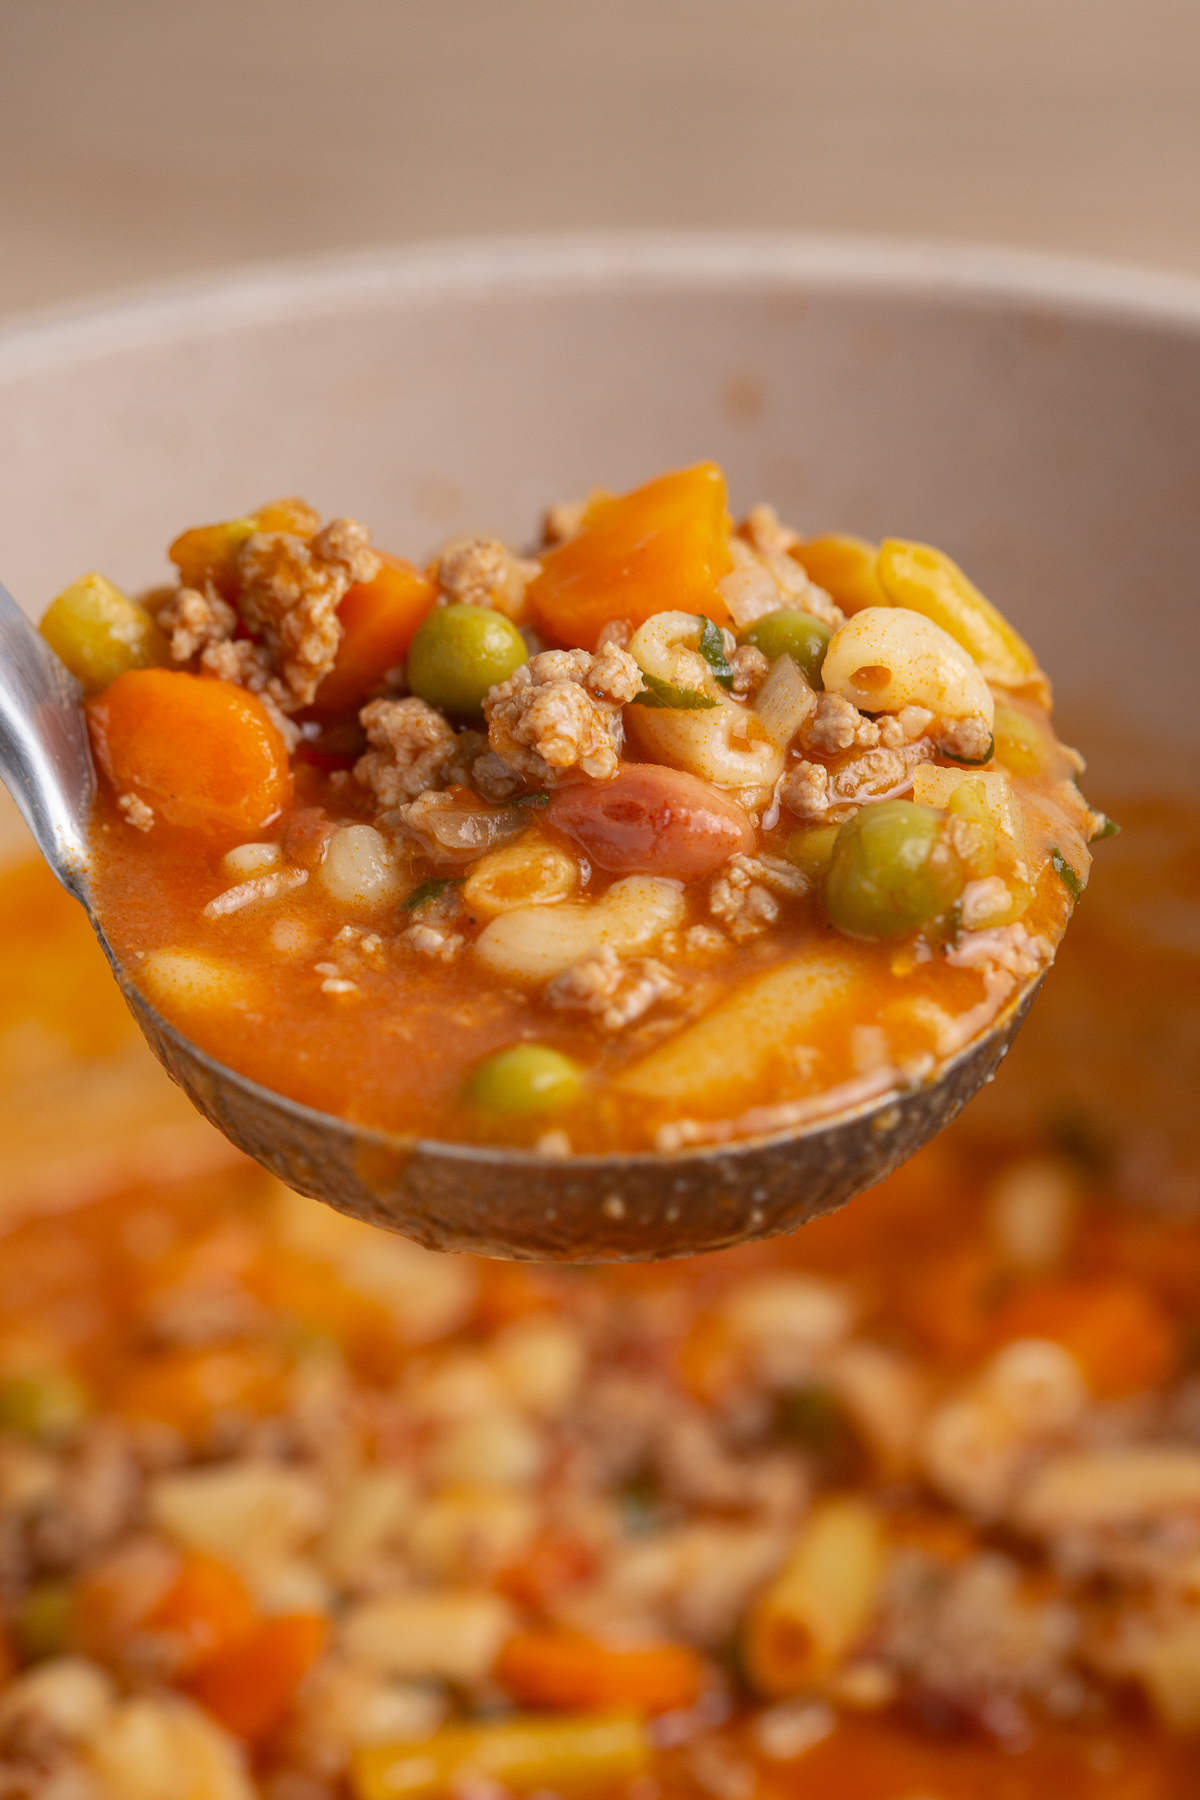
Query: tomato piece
[
  {"x": 379, "y": 620},
  {"x": 662, "y": 548},
  {"x": 651, "y": 820}
]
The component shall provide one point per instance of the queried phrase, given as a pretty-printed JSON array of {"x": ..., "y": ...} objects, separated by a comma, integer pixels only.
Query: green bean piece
[
  {"x": 892, "y": 871},
  {"x": 48, "y": 1406},
  {"x": 527, "y": 1078},
  {"x": 795, "y": 634},
  {"x": 460, "y": 652}
]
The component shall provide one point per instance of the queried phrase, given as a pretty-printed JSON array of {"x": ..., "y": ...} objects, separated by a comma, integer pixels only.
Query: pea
[
  {"x": 47, "y": 1406},
  {"x": 1020, "y": 746},
  {"x": 43, "y": 1620},
  {"x": 795, "y": 634},
  {"x": 892, "y": 871},
  {"x": 460, "y": 652},
  {"x": 524, "y": 1079},
  {"x": 810, "y": 850}
]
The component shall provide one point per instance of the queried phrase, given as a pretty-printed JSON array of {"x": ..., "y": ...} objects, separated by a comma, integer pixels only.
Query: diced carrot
[
  {"x": 950, "y": 1300},
  {"x": 205, "y": 1611},
  {"x": 379, "y": 620},
  {"x": 207, "y": 555},
  {"x": 202, "y": 754},
  {"x": 249, "y": 1688},
  {"x": 551, "y": 1563},
  {"x": 563, "y": 1670},
  {"x": 191, "y": 1390},
  {"x": 1118, "y": 1333},
  {"x": 662, "y": 548}
]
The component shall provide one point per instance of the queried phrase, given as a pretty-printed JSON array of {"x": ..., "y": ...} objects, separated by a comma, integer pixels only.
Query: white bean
[
  {"x": 245, "y": 860},
  {"x": 358, "y": 870},
  {"x": 535, "y": 943}
]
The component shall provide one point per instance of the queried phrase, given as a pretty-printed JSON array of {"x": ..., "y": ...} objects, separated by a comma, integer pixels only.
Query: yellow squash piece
[
  {"x": 925, "y": 580},
  {"x": 99, "y": 633},
  {"x": 845, "y": 567}
]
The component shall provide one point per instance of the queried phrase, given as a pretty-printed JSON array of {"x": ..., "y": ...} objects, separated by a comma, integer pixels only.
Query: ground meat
[
  {"x": 1012, "y": 948},
  {"x": 617, "y": 631},
  {"x": 697, "y": 1467},
  {"x": 93, "y": 1500},
  {"x": 765, "y": 577},
  {"x": 876, "y": 774},
  {"x": 412, "y": 747},
  {"x": 765, "y": 532},
  {"x": 135, "y": 812},
  {"x": 37, "y": 1761},
  {"x": 434, "y": 941},
  {"x": 904, "y": 727},
  {"x": 743, "y": 896},
  {"x": 970, "y": 1637},
  {"x": 804, "y": 790},
  {"x": 750, "y": 668},
  {"x": 969, "y": 740},
  {"x": 291, "y": 592},
  {"x": 193, "y": 621},
  {"x": 561, "y": 711},
  {"x": 479, "y": 571},
  {"x": 835, "y": 725},
  {"x": 617, "y": 992}
]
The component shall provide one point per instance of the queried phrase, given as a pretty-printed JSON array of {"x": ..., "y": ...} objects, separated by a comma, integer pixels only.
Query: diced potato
[
  {"x": 191, "y": 980},
  {"x": 99, "y": 633},
  {"x": 727, "y": 1055}
]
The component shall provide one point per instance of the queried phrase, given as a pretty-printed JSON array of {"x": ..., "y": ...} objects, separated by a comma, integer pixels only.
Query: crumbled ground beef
[
  {"x": 876, "y": 774},
  {"x": 562, "y": 710},
  {"x": 412, "y": 747},
  {"x": 291, "y": 592},
  {"x": 479, "y": 571},
  {"x": 744, "y": 895},
  {"x": 750, "y": 668},
  {"x": 136, "y": 812},
  {"x": 835, "y": 725},
  {"x": 615, "y": 991},
  {"x": 193, "y": 621},
  {"x": 804, "y": 790}
]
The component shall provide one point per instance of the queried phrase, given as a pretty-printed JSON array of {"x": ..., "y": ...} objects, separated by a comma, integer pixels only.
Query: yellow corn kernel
[
  {"x": 603, "y": 1750},
  {"x": 529, "y": 872},
  {"x": 926, "y": 581},
  {"x": 99, "y": 633},
  {"x": 845, "y": 567}
]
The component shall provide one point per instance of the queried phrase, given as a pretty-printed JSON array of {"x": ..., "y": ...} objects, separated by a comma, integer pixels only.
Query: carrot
[
  {"x": 205, "y": 1611},
  {"x": 379, "y": 620},
  {"x": 564, "y": 1670},
  {"x": 202, "y": 754},
  {"x": 191, "y": 1389},
  {"x": 249, "y": 1687},
  {"x": 666, "y": 545},
  {"x": 1117, "y": 1332}
]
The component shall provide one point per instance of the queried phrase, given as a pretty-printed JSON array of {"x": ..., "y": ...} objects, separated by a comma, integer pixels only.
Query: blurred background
[{"x": 142, "y": 140}]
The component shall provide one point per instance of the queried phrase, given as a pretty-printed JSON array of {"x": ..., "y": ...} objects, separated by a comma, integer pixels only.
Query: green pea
[
  {"x": 795, "y": 634},
  {"x": 460, "y": 652},
  {"x": 809, "y": 850},
  {"x": 1019, "y": 745},
  {"x": 892, "y": 871},
  {"x": 43, "y": 1620},
  {"x": 47, "y": 1406},
  {"x": 525, "y": 1079}
]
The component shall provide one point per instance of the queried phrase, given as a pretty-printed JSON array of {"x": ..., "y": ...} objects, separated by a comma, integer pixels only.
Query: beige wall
[{"x": 142, "y": 139}]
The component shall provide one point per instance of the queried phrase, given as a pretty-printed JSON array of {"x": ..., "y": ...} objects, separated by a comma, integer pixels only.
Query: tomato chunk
[
  {"x": 202, "y": 754},
  {"x": 663, "y": 547},
  {"x": 651, "y": 820},
  {"x": 379, "y": 620}
]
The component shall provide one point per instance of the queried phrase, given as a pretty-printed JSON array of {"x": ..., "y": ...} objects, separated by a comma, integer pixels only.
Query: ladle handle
[{"x": 45, "y": 759}]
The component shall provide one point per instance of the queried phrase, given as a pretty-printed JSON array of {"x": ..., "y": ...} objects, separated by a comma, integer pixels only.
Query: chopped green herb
[
  {"x": 712, "y": 649},
  {"x": 658, "y": 693},
  {"x": 973, "y": 762},
  {"x": 542, "y": 799},
  {"x": 1108, "y": 829},
  {"x": 1066, "y": 874},
  {"x": 429, "y": 890}
]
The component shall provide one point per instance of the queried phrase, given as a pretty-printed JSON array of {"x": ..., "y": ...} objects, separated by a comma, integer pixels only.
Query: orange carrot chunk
[
  {"x": 201, "y": 754},
  {"x": 205, "y": 1611},
  {"x": 249, "y": 1688},
  {"x": 563, "y": 1669},
  {"x": 1118, "y": 1333},
  {"x": 662, "y": 548},
  {"x": 379, "y": 620}
]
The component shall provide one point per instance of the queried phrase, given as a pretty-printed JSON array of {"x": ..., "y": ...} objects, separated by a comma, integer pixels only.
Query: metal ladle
[{"x": 497, "y": 1202}]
